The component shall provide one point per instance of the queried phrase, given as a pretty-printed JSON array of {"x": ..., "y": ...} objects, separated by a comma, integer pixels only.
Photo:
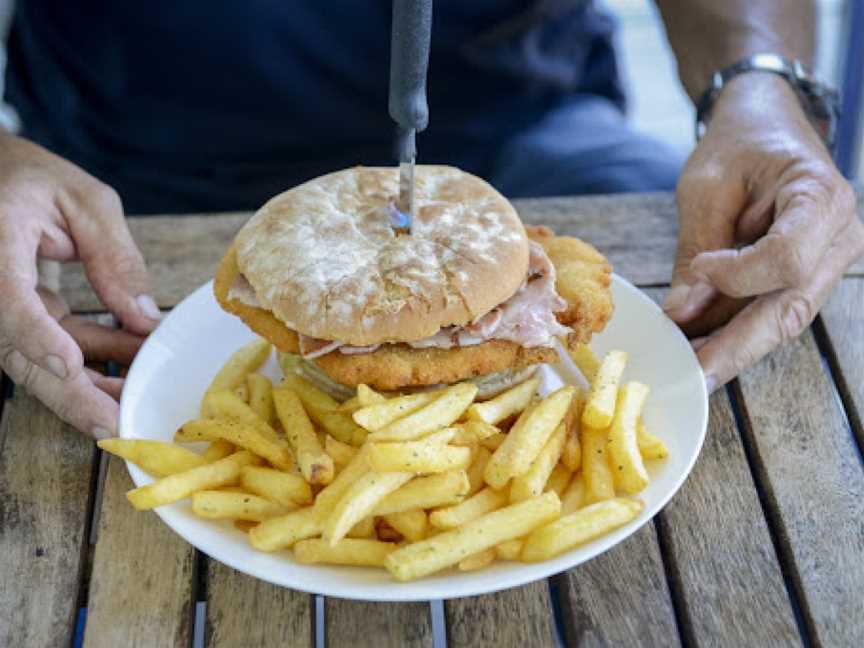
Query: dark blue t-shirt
[{"x": 199, "y": 105}]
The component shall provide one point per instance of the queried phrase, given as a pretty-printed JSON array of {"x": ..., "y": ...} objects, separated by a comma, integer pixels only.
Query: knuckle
[
  {"x": 104, "y": 198},
  {"x": 791, "y": 261},
  {"x": 796, "y": 313}
]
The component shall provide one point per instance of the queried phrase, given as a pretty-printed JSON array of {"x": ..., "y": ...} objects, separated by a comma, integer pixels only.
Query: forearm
[{"x": 707, "y": 35}]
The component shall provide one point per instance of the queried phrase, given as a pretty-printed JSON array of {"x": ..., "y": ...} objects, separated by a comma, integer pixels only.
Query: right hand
[{"x": 51, "y": 209}]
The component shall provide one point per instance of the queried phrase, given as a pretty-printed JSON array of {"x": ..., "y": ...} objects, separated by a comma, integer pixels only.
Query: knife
[{"x": 409, "y": 62}]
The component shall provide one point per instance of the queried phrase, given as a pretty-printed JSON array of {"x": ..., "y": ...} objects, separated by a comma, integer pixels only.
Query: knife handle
[{"x": 409, "y": 61}]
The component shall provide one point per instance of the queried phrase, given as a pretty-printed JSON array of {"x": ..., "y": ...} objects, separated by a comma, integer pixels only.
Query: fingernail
[
  {"x": 148, "y": 307},
  {"x": 56, "y": 366},
  {"x": 710, "y": 383},
  {"x": 686, "y": 301},
  {"x": 99, "y": 432},
  {"x": 698, "y": 343}
]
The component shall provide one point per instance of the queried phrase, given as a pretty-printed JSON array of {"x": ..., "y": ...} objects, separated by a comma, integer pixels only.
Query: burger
[{"x": 468, "y": 294}]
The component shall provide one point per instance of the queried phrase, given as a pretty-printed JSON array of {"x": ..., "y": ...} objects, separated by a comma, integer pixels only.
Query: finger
[
  {"x": 101, "y": 343},
  {"x": 108, "y": 384},
  {"x": 774, "y": 318},
  {"x": 698, "y": 343},
  {"x": 708, "y": 205},
  {"x": 718, "y": 313},
  {"x": 112, "y": 261},
  {"x": 77, "y": 400},
  {"x": 25, "y": 324},
  {"x": 788, "y": 254}
]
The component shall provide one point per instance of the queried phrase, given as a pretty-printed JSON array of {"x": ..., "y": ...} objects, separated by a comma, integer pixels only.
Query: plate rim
[{"x": 379, "y": 593}]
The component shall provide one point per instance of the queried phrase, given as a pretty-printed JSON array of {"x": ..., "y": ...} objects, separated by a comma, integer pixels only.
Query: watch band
[{"x": 818, "y": 99}]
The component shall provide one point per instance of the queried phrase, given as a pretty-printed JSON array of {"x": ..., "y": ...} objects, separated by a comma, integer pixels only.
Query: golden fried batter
[{"x": 583, "y": 279}]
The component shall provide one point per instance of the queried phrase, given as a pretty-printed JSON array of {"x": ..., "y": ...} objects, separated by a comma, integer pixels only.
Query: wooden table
[{"x": 763, "y": 545}]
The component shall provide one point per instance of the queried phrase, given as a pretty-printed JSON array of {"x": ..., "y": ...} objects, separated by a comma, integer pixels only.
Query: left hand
[{"x": 767, "y": 227}]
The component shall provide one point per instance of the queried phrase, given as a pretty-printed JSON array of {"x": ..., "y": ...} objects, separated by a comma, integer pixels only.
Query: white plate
[{"x": 176, "y": 363}]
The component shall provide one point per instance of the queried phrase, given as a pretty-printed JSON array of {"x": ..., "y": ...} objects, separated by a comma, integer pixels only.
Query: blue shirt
[{"x": 201, "y": 105}]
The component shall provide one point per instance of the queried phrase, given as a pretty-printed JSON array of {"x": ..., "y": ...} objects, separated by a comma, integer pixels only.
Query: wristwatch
[{"x": 820, "y": 102}]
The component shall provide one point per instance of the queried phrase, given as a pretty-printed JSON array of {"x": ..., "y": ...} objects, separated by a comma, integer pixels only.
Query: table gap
[
  {"x": 558, "y": 629},
  {"x": 198, "y": 613},
  {"x": 673, "y": 581},
  {"x": 319, "y": 638},
  {"x": 841, "y": 387},
  {"x": 439, "y": 623},
  {"x": 770, "y": 510}
]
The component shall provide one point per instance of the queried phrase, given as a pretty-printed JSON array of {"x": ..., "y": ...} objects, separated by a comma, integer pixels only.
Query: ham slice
[{"x": 527, "y": 318}]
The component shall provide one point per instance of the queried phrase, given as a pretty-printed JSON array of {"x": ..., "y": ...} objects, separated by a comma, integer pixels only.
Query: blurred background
[{"x": 658, "y": 104}]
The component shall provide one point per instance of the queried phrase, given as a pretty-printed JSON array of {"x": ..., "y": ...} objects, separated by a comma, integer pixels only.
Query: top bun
[{"x": 324, "y": 259}]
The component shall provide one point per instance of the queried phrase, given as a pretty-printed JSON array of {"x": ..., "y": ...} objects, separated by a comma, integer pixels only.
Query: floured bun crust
[{"x": 325, "y": 261}]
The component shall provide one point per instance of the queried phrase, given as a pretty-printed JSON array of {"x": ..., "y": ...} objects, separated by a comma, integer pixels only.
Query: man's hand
[
  {"x": 765, "y": 218},
  {"x": 51, "y": 209}
]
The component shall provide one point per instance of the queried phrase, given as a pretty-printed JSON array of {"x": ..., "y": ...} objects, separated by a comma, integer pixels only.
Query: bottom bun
[{"x": 488, "y": 385}]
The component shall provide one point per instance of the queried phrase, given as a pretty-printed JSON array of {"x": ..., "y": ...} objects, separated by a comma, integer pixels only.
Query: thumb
[
  {"x": 112, "y": 261},
  {"x": 708, "y": 208}
]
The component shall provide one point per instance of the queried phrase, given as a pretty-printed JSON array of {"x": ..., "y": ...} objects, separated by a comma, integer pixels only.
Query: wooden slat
[
  {"x": 245, "y": 611},
  {"x": 521, "y": 616},
  {"x": 46, "y": 475},
  {"x": 141, "y": 584},
  {"x": 358, "y": 624},
  {"x": 620, "y": 598},
  {"x": 843, "y": 318},
  {"x": 719, "y": 550},
  {"x": 636, "y": 231},
  {"x": 811, "y": 472}
]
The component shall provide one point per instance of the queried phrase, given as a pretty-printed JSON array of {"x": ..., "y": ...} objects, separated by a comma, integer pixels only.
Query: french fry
[
  {"x": 245, "y": 360},
  {"x": 492, "y": 443},
  {"x": 341, "y": 453},
  {"x": 350, "y": 406},
  {"x": 574, "y": 497},
  {"x": 527, "y": 437},
  {"x": 478, "y": 560},
  {"x": 285, "y": 488},
  {"x": 365, "y": 553},
  {"x": 309, "y": 394},
  {"x": 218, "y": 449},
  {"x": 600, "y": 406},
  {"x": 360, "y": 501},
  {"x": 321, "y": 408},
  {"x": 584, "y": 358},
  {"x": 411, "y": 525},
  {"x": 596, "y": 472},
  {"x": 244, "y": 525},
  {"x": 599, "y": 483},
  {"x": 226, "y": 404},
  {"x": 446, "y": 549},
  {"x": 367, "y": 396},
  {"x": 281, "y": 532},
  {"x": 483, "y": 502},
  {"x": 242, "y": 392},
  {"x": 327, "y": 499},
  {"x": 532, "y": 482},
  {"x": 379, "y": 415},
  {"x": 505, "y": 404},
  {"x": 427, "y": 455},
  {"x": 175, "y": 487},
  {"x": 219, "y": 505},
  {"x": 441, "y": 489},
  {"x": 387, "y": 533},
  {"x": 578, "y": 528},
  {"x": 628, "y": 468},
  {"x": 509, "y": 550},
  {"x": 243, "y": 434},
  {"x": 559, "y": 479},
  {"x": 316, "y": 465},
  {"x": 438, "y": 414},
  {"x": 261, "y": 397},
  {"x": 650, "y": 446},
  {"x": 365, "y": 528},
  {"x": 155, "y": 457},
  {"x": 475, "y": 470},
  {"x": 571, "y": 454}
]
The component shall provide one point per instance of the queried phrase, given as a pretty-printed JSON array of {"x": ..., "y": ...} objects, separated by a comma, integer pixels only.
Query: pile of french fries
[{"x": 413, "y": 483}]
